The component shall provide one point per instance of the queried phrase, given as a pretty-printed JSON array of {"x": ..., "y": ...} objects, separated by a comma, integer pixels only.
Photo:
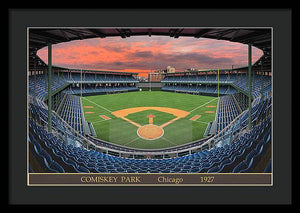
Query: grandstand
[
  {"x": 61, "y": 141},
  {"x": 208, "y": 83},
  {"x": 70, "y": 80}
]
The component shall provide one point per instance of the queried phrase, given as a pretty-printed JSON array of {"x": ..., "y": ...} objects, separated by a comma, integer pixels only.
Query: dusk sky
[{"x": 144, "y": 53}]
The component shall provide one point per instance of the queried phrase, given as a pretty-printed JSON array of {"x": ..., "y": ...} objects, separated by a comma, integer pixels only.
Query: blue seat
[
  {"x": 48, "y": 166},
  {"x": 57, "y": 167},
  {"x": 121, "y": 170},
  {"x": 176, "y": 170},
  {"x": 257, "y": 157},
  {"x": 248, "y": 167},
  {"x": 206, "y": 165},
  {"x": 214, "y": 169},
  {"x": 234, "y": 155},
  {"x": 101, "y": 169},
  {"x": 80, "y": 160},
  {"x": 250, "y": 156},
  {"x": 130, "y": 171},
  {"x": 71, "y": 163},
  {"x": 268, "y": 168},
  {"x": 186, "y": 167},
  {"x": 45, "y": 155},
  {"x": 242, "y": 165},
  {"x": 226, "y": 164},
  {"x": 82, "y": 169},
  {"x": 196, "y": 169},
  {"x": 61, "y": 155}
]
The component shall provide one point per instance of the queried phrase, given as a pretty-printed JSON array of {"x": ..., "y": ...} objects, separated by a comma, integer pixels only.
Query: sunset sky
[{"x": 143, "y": 53}]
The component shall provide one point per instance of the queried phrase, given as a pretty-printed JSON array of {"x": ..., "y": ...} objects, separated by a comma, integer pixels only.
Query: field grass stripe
[
  {"x": 203, "y": 104},
  {"x": 200, "y": 121},
  {"x": 131, "y": 141},
  {"x": 169, "y": 141},
  {"x": 98, "y": 121},
  {"x": 97, "y": 104}
]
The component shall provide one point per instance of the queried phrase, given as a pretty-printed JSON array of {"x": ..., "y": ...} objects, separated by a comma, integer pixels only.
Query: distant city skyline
[{"x": 143, "y": 53}]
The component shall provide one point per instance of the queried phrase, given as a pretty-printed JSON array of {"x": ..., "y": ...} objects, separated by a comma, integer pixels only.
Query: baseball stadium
[{"x": 193, "y": 121}]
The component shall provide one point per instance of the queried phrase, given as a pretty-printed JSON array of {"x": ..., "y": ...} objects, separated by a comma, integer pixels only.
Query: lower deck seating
[
  {"x": 227, "y": 112},
  {"x": 72, "y": 113}
]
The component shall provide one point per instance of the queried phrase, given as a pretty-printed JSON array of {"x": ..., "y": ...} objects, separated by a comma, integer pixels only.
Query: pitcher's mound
[{"x": 150, "y": 132}]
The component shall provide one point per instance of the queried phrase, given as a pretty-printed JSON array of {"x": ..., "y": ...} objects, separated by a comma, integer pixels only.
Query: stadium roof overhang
[
  {"x": 257, "y": 37},
  {"x": 63, "y": 69}
]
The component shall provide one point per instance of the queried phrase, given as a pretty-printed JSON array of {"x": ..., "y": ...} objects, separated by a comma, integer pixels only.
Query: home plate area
[{"x": 150, "y": 132}]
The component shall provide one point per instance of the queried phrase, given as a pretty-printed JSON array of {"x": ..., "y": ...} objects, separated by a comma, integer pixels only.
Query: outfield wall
[
  {"x": 195, "y": 93},
  {"x": 152, "y": 89},
  {"x": 103, "y": 93},
  {"x": 149, "y": 84}
]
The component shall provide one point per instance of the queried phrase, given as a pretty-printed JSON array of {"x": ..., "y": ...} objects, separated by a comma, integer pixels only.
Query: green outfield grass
[{"x": 121, "y": 132}]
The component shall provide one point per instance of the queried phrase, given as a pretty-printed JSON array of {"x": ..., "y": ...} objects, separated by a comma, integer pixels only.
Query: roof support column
[
  {"x": 45, "y": 76},
  {"x": 218, "y": 84},
  {"x": 49, "y": 87},
  {"x": 81, "y": 83},
  {"x": 262, "y": 85},
  {"x": 249, "y": 86},
  {"x": 34, "y": 82}
]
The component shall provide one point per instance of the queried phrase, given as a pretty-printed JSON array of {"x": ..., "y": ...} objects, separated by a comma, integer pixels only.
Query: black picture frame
[{"x": 278, "y": 19}]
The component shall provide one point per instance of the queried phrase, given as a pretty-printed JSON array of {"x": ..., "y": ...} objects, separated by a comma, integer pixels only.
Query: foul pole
[{"x": 150, "y": 79}]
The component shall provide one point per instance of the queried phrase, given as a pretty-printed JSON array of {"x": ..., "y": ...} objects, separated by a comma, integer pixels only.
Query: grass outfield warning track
[{"x": 120, "y": 131}]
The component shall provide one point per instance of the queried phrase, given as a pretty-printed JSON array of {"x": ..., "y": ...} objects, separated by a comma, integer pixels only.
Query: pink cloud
[{"x": 145, "y": 53}]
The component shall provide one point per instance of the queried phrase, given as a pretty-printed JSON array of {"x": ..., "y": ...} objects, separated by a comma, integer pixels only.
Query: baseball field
[{"x": 149, "y": 120}]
